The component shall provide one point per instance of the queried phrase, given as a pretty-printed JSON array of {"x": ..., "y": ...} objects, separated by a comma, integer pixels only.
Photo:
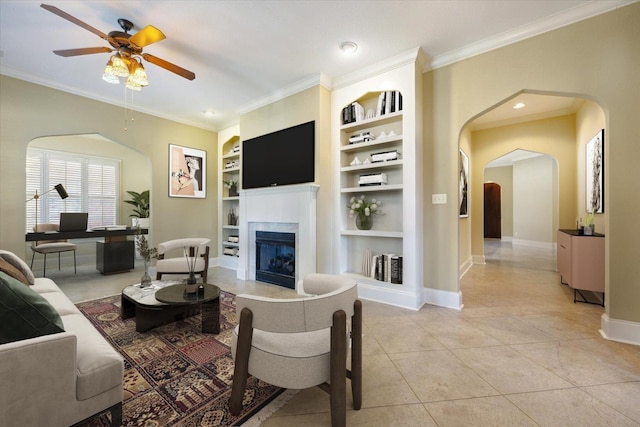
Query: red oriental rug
[{"x": 176, "y": 375}]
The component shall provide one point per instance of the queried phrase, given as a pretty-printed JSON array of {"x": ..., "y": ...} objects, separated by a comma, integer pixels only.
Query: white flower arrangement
[{"x": 362, "y": 207}]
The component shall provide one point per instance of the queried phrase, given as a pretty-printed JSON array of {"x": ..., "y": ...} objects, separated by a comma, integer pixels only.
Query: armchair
[
  {"x": 178, "y": 264},
  {"x": 302, "y": 342}
]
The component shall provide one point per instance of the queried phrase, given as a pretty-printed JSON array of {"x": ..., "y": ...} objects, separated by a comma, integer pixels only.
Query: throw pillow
[
  {"x": 24, "y": 313},
  {"x": 9, "y": 269},
  {"x": 18, "y": 263}
]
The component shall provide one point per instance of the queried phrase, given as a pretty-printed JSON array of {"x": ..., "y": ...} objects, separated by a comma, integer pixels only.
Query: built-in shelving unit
[
  {"x": 398, "y": 230},
  {"x": 229, "y": 229}
]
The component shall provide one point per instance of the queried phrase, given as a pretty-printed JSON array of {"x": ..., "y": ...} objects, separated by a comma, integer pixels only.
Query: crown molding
[
  {"x": 554, "y": 22},
  {"x": 317, "y": 79}
]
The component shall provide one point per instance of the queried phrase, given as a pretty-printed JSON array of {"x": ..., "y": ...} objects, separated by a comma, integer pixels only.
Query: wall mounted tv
[{"x": 284, "y": 157}]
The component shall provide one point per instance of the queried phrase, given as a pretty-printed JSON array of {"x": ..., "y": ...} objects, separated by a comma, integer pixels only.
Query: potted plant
[
  {"x": 140, "y": 202},
  {"x": 232, "y": 186},
  {"x": 364, "y": 210},
  {"x": 146, "y": 253}
]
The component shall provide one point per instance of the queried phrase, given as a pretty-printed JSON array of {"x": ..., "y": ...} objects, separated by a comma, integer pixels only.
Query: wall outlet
[{"x": 439, "y": 199}]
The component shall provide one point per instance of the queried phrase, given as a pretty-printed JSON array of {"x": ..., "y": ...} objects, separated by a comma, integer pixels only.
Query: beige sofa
[{"x": 61, "y": 378}]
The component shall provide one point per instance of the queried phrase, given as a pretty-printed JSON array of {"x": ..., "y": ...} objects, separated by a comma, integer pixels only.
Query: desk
[{"x": 115, "y": 255}]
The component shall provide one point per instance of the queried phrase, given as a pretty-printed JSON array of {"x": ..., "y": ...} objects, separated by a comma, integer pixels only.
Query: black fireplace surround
[{"x": 276, "y": 258}]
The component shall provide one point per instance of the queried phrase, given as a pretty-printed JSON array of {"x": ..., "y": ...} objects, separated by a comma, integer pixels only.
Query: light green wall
[
  {"x": 29, "y": 111},
  {"x": 597, "y": 58},
  {"x": 302, "y": 107}
]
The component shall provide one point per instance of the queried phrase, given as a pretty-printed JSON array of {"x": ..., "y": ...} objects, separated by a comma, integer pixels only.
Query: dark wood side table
[{"x": 208, "y": 302}]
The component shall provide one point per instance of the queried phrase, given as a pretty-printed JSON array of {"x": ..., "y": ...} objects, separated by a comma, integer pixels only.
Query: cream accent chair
[
  {"x": 52, "y": 247},
  {"x": 178, "y": 264},
  {"x": 302, "y": 342}
]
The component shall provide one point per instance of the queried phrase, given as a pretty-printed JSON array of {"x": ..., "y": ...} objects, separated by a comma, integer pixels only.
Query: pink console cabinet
[{"x": 581, "y": 262}]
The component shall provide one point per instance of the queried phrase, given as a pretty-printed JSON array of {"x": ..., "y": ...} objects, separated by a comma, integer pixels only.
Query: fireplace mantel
[{"x": 290, "y": 208}]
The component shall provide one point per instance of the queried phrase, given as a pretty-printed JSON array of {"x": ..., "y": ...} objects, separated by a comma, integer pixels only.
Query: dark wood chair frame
[{"x": 336, "y": 388}]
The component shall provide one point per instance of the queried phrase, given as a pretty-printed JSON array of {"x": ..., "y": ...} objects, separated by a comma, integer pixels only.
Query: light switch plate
[{"x": 439, "y": 199}]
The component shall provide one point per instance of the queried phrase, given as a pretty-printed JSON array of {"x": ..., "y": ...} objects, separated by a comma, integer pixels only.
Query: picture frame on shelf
[
  {"x": 187, "y": 172},
  {"x": 594, "y": 173},
  {"x": 463, "y": 184}
]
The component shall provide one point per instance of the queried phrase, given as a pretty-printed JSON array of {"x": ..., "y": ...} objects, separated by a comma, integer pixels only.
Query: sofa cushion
[
  {"x": 24, "y": 313},
  {"x": 98, "y": 366},
  {"x": 12, "y": 271},
  {"x": 18, "y": 263}
]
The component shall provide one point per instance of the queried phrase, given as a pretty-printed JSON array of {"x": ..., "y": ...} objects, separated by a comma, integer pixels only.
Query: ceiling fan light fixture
[
  {"x": 132, "y": 85},
  {"x": 119, "y": 65},
  {"x": 108, "y": 75},
  {"x": 138, "y": 74}
]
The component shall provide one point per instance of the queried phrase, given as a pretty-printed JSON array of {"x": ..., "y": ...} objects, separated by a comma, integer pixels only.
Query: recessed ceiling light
[
  {"x": 518, "y": 106},
  {"x": 348, "y": 47},
  {"x": 208, "y": 113}
]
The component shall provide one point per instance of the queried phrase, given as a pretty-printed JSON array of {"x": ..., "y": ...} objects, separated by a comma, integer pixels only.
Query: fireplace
[{"x": 276, "y": 258}]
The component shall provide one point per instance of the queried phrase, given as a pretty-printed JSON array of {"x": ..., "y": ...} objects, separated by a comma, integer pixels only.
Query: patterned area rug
[{"x": 176, "y": 375}]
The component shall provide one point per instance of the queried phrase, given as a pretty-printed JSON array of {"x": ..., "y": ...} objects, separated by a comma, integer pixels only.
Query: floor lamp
[{"x": 61, "y": 191}]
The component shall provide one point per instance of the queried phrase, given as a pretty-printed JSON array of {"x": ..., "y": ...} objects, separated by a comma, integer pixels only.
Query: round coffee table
[
  {"x": 151, "y": 313},
  {"x": 208, "y": 303}
]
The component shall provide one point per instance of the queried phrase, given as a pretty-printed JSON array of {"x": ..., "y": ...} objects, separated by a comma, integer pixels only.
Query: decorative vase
[
  {"x": 191, "y": 287},
  {"x": 364, "y": 222},
  {"x": 146, "y": 279},
  {"x": 233, "y": 191},
  {"x": 366, "y": 263}
]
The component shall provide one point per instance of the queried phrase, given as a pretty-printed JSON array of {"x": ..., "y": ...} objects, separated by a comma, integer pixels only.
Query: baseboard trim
[
  {"x": 479, "y": 259},
  {"x": 395, "y": 297},
  {"x": 534, "y": 244},
  {"x": 465, "y": 267},
  {"x": 442, "y": 298},
  {"x": 622, "y": 331}
]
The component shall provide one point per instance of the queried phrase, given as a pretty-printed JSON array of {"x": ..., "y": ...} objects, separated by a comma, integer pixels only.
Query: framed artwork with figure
[
  {"x": 594, "y": 173},
  {"x": 463, "y": 184},
  {"x": 187, "y": 172}
]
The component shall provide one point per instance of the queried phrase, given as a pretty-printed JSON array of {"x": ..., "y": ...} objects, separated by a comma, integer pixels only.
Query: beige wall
[
  {"x": 597, "y": 58},
  {"x": 302, "y": 107},
  {"x": 555, "y": 137},
  {"x": 503, "y": 176},
  {"x": 30, "y": 111}
]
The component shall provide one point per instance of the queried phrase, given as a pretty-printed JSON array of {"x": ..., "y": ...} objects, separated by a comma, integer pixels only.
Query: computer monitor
[{"x": 73, "y": 221}]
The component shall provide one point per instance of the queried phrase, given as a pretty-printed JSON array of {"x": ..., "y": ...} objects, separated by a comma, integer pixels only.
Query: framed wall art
[
  {"x": 594, "y": 173},
  {"x": 187, "y": 172},
  {"x": 463, "y": 184}
]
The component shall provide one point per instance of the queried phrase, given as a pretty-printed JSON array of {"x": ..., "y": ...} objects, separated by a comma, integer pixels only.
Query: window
[{"x": 91, "y": 182}]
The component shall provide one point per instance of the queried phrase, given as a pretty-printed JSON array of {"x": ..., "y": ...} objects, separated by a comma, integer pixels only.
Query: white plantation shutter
[{"x": 91, "y": 182}]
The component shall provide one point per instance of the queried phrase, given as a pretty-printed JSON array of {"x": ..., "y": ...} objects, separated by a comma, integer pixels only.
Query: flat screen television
[{"x": 284, "y": 157}]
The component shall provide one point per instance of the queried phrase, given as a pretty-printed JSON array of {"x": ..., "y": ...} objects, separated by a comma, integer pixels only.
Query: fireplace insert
[{"x": 276, "y": 258}]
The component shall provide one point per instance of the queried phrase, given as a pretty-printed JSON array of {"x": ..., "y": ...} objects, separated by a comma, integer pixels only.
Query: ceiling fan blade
[
  {"x": 146, "y": 36},
  {"x": 169, "y": 66},
  {"x": 82, "y": 51},
  {"x": 75, "y": 20}
]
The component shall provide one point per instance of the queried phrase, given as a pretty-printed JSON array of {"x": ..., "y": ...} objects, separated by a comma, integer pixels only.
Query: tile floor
[{"x": 519, "y": 353}]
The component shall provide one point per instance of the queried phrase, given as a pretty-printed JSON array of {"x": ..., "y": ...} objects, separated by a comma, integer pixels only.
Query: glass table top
[{"x": 176, "y": 294}]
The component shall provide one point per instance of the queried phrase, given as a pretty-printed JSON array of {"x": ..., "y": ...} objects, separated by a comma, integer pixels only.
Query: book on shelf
[
  {"x": 353, "y": 112},
  {"x": 387, "y": 268},
  {"x": 396, "y": 270}
]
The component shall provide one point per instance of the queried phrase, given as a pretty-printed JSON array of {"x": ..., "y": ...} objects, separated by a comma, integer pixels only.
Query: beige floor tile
[
  {"x": 439, "y": 375},
  {"x": 561, "y": 327},
  {"x": 509, "y": 371},
  {"x": 510, "y": 330},
  {"x": 624, "y": 397},
  {"x": 383, "y": 384},
  {"x": 577, "y": 366},
  {"x": 481, "y": 411},
  {"x": 572, "y": 407},
  {"x": 459, "y": 333},
  {"x": 411, "y": 338}
]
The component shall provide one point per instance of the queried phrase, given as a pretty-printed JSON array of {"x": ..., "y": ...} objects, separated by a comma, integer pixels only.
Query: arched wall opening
[
  {"x": 135, "y": 173},
  {"x": 559, "y": 132}
]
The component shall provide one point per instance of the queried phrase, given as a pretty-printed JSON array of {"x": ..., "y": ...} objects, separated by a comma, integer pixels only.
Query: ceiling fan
[{"x": 128, "y": 48}]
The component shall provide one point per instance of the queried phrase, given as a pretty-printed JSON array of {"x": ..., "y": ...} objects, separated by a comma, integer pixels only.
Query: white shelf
[
  {"x": 231, "y": 227},
  {"x": 236, "y": 169},
  {"x": 230, "y": 244},
  {"x": 362, "y": 279},
  {"x": 368, "y": 166},
  {"x": 374, "y": 143},
  {"x": 372, "y": 188},
  {"x": 231, "y": 155},
  {"x": 373, "y": 233},
  {"x": 367, "y": 123}
]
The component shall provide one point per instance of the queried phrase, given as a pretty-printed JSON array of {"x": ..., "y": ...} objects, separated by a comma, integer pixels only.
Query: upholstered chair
[
  {"x": 52, "y": 247},
  {"x": 177, "y": 264},
  {"x": 302, "y": 342}
]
